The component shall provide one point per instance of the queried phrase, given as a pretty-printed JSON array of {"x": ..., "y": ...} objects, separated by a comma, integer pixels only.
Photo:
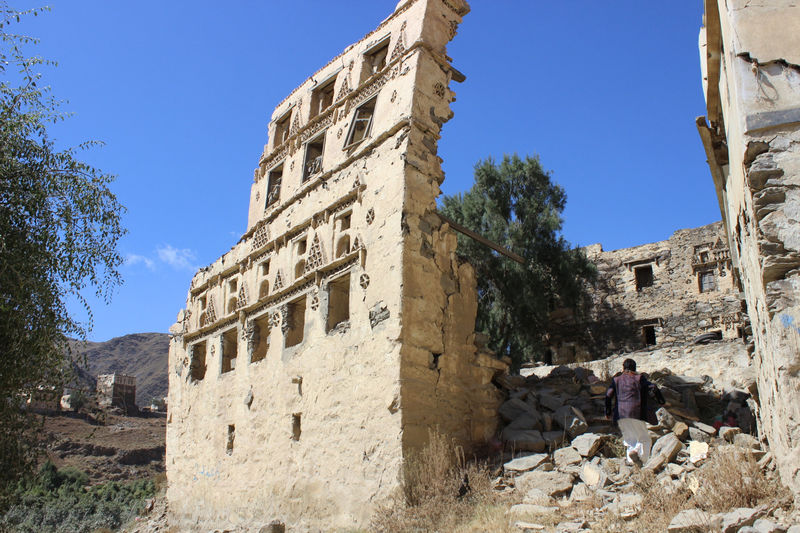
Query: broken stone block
[
  {"x": 741, "y": 517},
  {"x": 570, "y": 419},
  {"x": 566, "y": 456},
  {"x": 697, "y": 451},
  {"x": 581, "y": 493},
  {"x": 665, "y": 419},
  {"x": 527, "y": 421},
  {"x": 656, "y": 462},
  {"x": 668, "y": 446},
  {"x": 705, "y": 428},
  {"x": 514, "y": 408},
  {"x": 525, "y": 509},
  {"x": 528, "y": 527},
  {"x": 554, "y": 438},
  {"x": 550, "y": 401},
  {"x": 674, "y": 470},
  {"x": 699, "y": 435},
  {"x": 572, "y": 525},
  {"x": 528, "y": 440},
  {"x": 523, "y": 464},
  {"x": 593, "y": 476},
  {"x": 680, "y": 430},
  {"x": 728, "y": 433},
  {"x": 554, "y": 484},
  {"x": 762, "y": 525},
  {"x": 588, "y": 444},
  {"x": 691, "y": 521},
  {"x": 537, "y": 497},
  {"x": 746, "y": 441}
]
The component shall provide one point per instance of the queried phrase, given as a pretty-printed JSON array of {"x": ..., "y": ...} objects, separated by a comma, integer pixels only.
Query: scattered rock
[
  {"x": 681, "y": 430},
  {"x": 528, "y": 440},
  {"x": 697, "y": 451},
  {"x": 746, "y": 441},
  {"x": 567, "y": 456},
  {"x": 738, "y": 518},
  {"x": 593, "y": 476},
  {"x": 728, "y": 433},
  {"x": 527, "y": 421},
  {"x": 554, "y": 484},
  {"x": 699, "y": 435},
  {"x": 527, "y": 527},
  {"x": 514, "y": 408},
  {"x": 668, "y": 446},
  {"x": 526, "y": 509},
  {"x": 665, "y": 419},
  {"x": 573, "y": 525},
  {"x": 705, "y": 428},
  {"x": 523, "y": 464},
  {"x": 588, "y": 444},
  {"x": 537, "y": 497},
  {"x": 581, "y": 493},
  {"x": 692, "y": 521},
  {"x": 571, "y": 420},
  {"x": 762, "y": 525}
]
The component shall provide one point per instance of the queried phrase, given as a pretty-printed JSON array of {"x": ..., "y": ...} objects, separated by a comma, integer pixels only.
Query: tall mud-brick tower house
[{"x": 318, "y": 352}]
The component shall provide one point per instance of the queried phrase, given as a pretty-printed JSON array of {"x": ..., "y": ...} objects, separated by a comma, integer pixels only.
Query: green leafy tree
[
  {"x": 516, "y": 205},
  {"x": 59, "y": 228}
]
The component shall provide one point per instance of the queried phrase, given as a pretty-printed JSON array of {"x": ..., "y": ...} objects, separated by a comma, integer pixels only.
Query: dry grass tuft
[
  {"x": 443, "y": 492},
  {"x": 731, "y": 478}
]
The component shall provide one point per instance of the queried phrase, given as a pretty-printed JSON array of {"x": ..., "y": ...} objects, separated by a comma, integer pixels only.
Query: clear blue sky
[{"x": 181, "y": 92}]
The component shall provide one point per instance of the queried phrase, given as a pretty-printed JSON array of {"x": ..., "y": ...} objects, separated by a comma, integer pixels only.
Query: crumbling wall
[
  {"x": 659, "y": 294},
  {"x": 313, "y": 356},
  {"x": 750, "y": 54}
]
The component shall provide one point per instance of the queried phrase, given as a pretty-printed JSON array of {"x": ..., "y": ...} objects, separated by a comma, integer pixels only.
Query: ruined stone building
[
  {"x": 316, "y": 354},
  {"x": 750, "y": 56},
  {"x": 659, "y": 294},
  {"x": 117, "y": 390}
]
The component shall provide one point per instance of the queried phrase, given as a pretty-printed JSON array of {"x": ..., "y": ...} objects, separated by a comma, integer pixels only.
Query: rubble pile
[{"x": 560, "y": 450}]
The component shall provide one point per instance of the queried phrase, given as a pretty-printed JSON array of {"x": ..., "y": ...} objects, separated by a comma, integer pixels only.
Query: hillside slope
[{"x": 143, "y": 355}]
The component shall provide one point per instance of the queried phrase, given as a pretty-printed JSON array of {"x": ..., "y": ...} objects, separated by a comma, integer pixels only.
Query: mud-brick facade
[
  {"x": 655, "y": 295},
  {"x": 318, "y": 352},
  {"x": 750, "y": 57},
  {"x": 117, "y": 390}
]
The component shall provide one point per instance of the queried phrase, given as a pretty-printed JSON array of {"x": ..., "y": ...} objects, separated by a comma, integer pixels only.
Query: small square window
[
  {"x": 338, "y": 302},
  {"x": 282, "y": 129},
  {"x": 644, "y": 276},
  {"x": 197, "y": 366},
  {"x": 274, "y": 184},
  {"x": 313, "y": 161},
  {"x": 649, "y": 335},
  {"x": 362, "y": 123},
  {"x": 374, "y": 59},
  {"x": 296, "y": 322},
  {"x": 706, "y": 281},
  {"x": 260, "y": 339},
  {"x": 322, "y": 97},
  {"x": 230, "y": 348}
]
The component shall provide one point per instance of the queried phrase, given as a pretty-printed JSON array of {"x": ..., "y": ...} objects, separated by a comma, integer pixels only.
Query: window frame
[{"x": 349, "y": 142}]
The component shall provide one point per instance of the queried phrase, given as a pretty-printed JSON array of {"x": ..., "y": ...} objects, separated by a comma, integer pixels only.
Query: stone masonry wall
[
  {"x": 660, "y": 294},
  {"x": 314, "y": 356},
  {"x": 750, "y": 56}
]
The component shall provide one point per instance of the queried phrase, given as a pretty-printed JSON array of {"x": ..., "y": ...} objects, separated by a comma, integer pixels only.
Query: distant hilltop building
[
  {"x": 316, "y": 355},
  {"x": 117, "y": 390},
  {"x": 660, "y": 294}
]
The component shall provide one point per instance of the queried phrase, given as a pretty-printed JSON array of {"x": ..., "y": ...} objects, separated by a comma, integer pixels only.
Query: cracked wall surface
[
  {"x": 750, "y": 52},
  {"x": 314, "y": 356}
]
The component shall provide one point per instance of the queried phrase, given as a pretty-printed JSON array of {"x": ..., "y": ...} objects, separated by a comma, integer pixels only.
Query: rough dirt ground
[{"x": 109, "y": 447}]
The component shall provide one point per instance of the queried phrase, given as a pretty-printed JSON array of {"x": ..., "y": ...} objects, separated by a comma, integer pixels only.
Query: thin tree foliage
[
  {"x": 515, "y": 204},
  {"x": 59, "y": 229}
]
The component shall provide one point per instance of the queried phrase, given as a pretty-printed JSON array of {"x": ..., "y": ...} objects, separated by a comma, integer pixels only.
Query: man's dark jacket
[{"x": 631, "y": 392}]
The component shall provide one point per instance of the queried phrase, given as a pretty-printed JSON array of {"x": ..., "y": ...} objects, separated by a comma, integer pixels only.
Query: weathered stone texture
[
  {"x": 318, "y": 352},
  {"x": 751, "y": 74},
  {"x": 660, "y": 294}
]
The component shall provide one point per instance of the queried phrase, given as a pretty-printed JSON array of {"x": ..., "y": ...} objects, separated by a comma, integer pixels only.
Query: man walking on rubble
[{"x": 629, "y": 392}]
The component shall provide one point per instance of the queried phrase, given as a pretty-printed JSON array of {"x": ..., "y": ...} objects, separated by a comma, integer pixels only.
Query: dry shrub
[
  {"x": 731, "y": 478},
  {"x": 442, "y": 492}
]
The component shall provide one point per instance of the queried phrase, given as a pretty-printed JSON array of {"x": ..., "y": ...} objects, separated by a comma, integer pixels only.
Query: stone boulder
[
  {"x": 526, "y": 463},
  {"x": 668, "y": 446},
  {"x": 528, "y": 440},
  {"x": 566, "y": 456},
  {"x": 571, "y": 420},
  {"x": 515, "y": 408},
  {"x": 588, "y": 444},
  {"x": 554, "y": 484},
  {"x": 693, "y": 520}
]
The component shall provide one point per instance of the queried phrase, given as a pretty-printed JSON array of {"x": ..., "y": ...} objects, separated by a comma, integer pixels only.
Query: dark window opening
[
  {"x": 313, "y": 162},
  {"x": 649, "y": 335},
  {"x": 302, "y": 246},
  {"x": 296, "y": 322},
  {"x": 263, "y": 291},
  {"x": 282, "y": 129},
  {"x": 322, "y": 97},
  {"x": 338, "y": 302},
  {"x": 706, "y": 281},
  {"x": 644, "y": 276},
  {"x": 343, "y": 246},
  {"x": 274, "y": 184},
  {"x": 299, "y": 268},
  {"x": 296, "y": 429},
  {"x": 197, "y": 367},
  {"x": 344, "y": 222},
  {"x": 231, "y": 437},
  {"x": 233, "y": 296},
  {"x": 260, "y": 339},
  {"x": 374, "y": 59},
  {"x": 434, "y": 365},
  {"x": 230, "y": 347},
  {"x": 362, "y": 122}
]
